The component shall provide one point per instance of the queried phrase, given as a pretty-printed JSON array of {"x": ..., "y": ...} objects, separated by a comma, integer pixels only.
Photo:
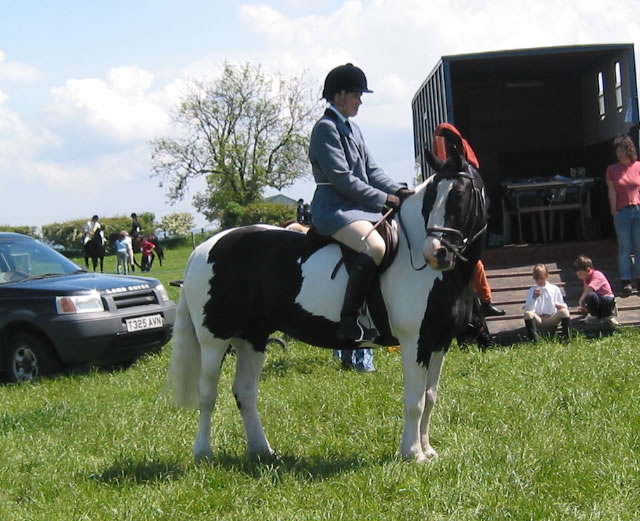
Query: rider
[
  {"x": 135, "y": 226},
  {"x": 352, "y": 191},
  {"x": 90, "y": 229}
]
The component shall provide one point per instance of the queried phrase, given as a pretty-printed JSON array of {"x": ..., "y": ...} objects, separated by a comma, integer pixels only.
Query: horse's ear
[
  {"x": 456, "y": 157},
  {"x": 434, "y": 163}
]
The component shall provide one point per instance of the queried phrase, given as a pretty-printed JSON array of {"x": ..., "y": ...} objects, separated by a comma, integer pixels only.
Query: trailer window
[
  {"x": 618, "y": 87},
  {"x": 601, "y": 109}
]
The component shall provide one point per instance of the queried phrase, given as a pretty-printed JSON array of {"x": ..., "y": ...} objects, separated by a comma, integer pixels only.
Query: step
[{"x": 509, "y": 270}]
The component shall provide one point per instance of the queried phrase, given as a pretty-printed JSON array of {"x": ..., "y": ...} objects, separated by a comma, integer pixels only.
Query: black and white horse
[
  {"x": 94, "y": 249},
  {"x": 243, "y": 284}
]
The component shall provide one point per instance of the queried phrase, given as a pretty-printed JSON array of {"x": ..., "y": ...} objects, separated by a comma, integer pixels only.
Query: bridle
[{"x": 477, "y": 203}]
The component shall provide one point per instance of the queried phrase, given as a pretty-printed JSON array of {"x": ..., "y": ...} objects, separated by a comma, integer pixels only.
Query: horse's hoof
[
  {"x": 202, "y": 456},
  {"x": 430, "y": 454},
  {"x": 266, "y": 457},
  {"x": 422, "y": 457}
]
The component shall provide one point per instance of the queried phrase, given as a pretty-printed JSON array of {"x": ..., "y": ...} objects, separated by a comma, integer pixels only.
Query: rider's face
[{"x": 348, "y": 102}]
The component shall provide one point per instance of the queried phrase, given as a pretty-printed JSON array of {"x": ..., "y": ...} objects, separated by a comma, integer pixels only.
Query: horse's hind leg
[
  {"x": 249, "y": 363},
  {"x": 211, "y": 354}
]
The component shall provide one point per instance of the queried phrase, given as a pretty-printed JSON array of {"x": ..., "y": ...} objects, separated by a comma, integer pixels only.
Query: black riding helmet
[{"x": 344, "y": 77}]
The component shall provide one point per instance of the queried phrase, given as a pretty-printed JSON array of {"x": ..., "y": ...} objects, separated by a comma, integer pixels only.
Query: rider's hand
[
  {"x": 393, "y": 202},
  {"x": 403, "y": 193}
]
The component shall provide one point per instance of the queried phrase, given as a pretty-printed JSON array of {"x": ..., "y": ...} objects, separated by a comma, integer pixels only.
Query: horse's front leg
[
  {"x": 415, "y": 378},
  {"x": 249, "y": 363},
  {"x": 433, "y": 378},
  {"x": 212, "y": 353}
]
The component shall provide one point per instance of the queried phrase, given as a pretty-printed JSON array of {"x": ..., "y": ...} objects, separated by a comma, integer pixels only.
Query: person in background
[
  {"x": 91, "y": 227},
  {"x": 306, "y": 214},
  {"x": 445, "y": 135},
  {"x": 130, "y": 258},
  {"x": 122, "y": 253},
  {"x": 545, "y": 306},
  {"x": 147, "y": 248},
  {"x": 623, "y": 186},
  {"x": 300, "y": 211},
  {"x": 135, "y": 226},
  {"x": 483, "y": 290},
  {"x": 597, "y": 299}
]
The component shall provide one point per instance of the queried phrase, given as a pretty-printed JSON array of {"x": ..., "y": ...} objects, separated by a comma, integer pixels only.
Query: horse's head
[{"x": 454, "y": 210}]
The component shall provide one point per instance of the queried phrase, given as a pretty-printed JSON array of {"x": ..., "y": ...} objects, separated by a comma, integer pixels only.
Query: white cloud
[
  {"x": 18, "y": 141},
  {"x": 398, "y": 42},
  {"x": 13, "y": 71},
  {"x": 122, "y": 106}
]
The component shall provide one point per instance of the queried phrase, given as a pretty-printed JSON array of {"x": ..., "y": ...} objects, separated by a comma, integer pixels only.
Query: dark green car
[{"x": 54, "y": 313}]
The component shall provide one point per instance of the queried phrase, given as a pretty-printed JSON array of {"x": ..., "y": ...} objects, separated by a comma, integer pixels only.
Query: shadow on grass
[
  {"x": 139, "y": 472},
  {"x": 133, "y": 472},
  {"x": 514, "y": 337},
  {"x": 282, "y": 365},
  {"x": 308, "y": 469}
]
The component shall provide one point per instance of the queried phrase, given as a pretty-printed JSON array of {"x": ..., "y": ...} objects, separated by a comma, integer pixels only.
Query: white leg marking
[
  {"x": 415, "y": 378},
  {"x": 433, "y": 378},
  {"x": 249, "y": 365},
  {"x": 212, "y": 353}
]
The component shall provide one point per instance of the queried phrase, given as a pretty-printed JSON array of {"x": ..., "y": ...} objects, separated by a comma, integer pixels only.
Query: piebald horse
[{"x": 243, "y": 284}]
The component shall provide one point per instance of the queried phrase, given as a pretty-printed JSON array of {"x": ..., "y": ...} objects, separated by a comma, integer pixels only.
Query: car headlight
[
  {"x": 163, "y": 292},
  {"x": 79, "y": 303}
]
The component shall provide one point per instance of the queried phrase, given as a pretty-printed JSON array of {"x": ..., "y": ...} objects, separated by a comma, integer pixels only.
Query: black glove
[
  {"x": 403, "y": 193},
  {"x": 393, "y": 203}
]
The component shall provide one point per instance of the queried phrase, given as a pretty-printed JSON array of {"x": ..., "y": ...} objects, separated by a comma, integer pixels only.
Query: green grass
[{"x": 531, "y": 432}]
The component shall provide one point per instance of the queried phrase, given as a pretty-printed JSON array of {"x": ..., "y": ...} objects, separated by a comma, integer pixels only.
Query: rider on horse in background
[
  {"x": 90, "y": 228},
  {"x": 352, "y": 191},
  {"x": 135, "y": 227}
]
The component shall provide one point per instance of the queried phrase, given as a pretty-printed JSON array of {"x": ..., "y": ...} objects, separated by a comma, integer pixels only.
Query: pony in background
[{"x": 95, "y": 250}]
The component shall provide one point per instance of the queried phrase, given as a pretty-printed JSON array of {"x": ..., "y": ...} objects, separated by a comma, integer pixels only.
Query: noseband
[{"x": 477, "y": 204}]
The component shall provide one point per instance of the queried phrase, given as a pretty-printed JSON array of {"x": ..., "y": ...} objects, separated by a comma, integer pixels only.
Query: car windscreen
[{"x": 22, "y": 259}]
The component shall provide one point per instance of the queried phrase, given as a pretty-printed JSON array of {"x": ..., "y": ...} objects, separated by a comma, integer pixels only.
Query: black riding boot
[
  {"x": 380, "y": 317},
  {"x": 532, "y": 330},
  {"x": 363, "y": 273},
  {"x": 566, "y": 328}
]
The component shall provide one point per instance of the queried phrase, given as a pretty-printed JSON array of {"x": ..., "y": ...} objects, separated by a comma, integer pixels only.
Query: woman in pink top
[{"x": 623, "y": 183}]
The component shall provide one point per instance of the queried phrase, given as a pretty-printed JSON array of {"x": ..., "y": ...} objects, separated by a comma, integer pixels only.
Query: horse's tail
[{"x": 184, "y": 367}]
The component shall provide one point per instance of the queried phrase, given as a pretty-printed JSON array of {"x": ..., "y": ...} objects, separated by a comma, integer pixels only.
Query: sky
[{"x": 85, "y": 86}]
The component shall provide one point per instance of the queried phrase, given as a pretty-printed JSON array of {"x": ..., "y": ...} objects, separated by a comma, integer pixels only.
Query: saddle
[{"x": 374, "y": 301}]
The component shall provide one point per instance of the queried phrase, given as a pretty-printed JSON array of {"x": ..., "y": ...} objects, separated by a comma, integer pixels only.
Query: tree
[
  {"x": 244, "y": 131},
  {"x": 178, "y": 224}
]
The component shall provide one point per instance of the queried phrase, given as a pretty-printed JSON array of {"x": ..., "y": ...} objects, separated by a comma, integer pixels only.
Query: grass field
[{"x": 544, "y": 432}]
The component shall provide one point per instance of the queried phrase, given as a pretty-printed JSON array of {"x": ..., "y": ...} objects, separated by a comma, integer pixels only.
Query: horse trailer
[{"x": 534, "y": 113}]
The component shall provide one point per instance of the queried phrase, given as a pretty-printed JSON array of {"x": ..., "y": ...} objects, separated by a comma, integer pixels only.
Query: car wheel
[{"x": 28, "y": 357}]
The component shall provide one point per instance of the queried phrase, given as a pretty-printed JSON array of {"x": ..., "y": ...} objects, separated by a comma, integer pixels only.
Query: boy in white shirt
[{"x": 545, "y": 306}]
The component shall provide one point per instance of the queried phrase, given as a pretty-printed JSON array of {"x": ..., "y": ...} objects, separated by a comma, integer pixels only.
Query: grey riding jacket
[{"x": 351, "y": 187}]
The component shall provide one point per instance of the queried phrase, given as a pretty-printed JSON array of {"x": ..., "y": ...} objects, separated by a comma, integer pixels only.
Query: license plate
[{"x": 140, "y": 323}]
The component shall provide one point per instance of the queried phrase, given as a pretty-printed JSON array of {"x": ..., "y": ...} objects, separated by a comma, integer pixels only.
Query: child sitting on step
[
  {"x": 597, "y": 299},
  {"x": 545, "y": 306}
]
